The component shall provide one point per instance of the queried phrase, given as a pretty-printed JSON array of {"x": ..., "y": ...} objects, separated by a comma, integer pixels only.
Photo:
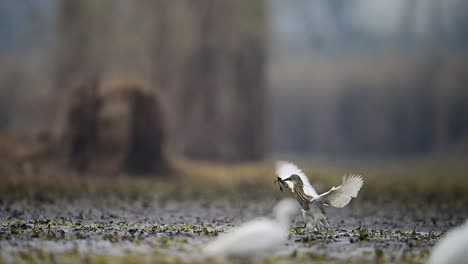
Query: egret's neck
[{"x": 298, "y": 185}]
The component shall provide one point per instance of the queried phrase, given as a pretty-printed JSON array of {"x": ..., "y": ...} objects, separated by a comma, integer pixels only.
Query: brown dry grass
[
  {"x": 431, "y": 178},
  {"x": 425, "y": 179}
]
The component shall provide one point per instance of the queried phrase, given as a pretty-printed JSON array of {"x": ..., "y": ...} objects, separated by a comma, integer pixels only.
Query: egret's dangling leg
[
  {"x": 325, "y": 221},
  {"x": 309, "y": 217},
  {"x": 321, "y": 222},
  {"x": 318, "y": 225},
  {"x": 322, "y": 219}
]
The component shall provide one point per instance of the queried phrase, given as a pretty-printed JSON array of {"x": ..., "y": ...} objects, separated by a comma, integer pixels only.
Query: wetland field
[{"x": 74, "y": 219}]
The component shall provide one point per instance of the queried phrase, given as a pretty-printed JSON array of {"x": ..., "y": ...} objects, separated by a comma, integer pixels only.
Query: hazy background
[
  {"x": 242, "y": 80},
  {"x": 380, "y": 78},
  {"x": 134, "y": 131}
]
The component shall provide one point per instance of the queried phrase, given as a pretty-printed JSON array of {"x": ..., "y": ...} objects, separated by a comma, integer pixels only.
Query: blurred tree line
[
  {"x": 384, "y": 77},
  {"x": 205, "y": 59},
  {"x": 382, "y": 104}
]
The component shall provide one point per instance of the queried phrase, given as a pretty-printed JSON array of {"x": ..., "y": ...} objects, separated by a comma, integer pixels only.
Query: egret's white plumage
[
  {"x": 285, "y": 169},
  {"x": 256, "y": 237},
  {"x": 312, "y": 203},
  {"x": 452, "y": 248},
  {"x": 340, "y": 196}
]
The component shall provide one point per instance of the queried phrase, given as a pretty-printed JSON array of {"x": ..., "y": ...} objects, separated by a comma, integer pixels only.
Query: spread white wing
[
  {"x": 340, "y": 196},
  {"x": 285, "y": 169}
]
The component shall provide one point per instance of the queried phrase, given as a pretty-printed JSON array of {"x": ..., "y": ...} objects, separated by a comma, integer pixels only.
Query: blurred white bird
[
  {"x": 290, "y": 176},
  {"x": 257, "y": 237},
  {"x": 452, "y": 248}
]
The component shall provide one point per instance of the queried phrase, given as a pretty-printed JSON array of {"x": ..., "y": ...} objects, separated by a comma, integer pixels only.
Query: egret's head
[
  {"x": 295, "y": 179},
  {"x": 286, "y": 209}
]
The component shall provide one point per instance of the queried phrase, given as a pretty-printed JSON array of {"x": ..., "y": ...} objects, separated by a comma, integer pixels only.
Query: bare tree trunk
[
  {"x": 83, "y": 40},
  {"x": 73, "y": 42},
  {"x": 252, "y": 109},
  {"x": 228, "y": 60}
]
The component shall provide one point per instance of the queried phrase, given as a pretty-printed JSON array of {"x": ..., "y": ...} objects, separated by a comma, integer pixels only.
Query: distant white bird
[
  {"x": 452, "y": 248},
  {"x": 256, "y": 237},
  {"x": 290, "y": 176}
]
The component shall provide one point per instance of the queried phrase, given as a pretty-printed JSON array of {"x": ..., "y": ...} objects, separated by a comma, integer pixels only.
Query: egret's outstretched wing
[
  {"x": 285, "y": 169},
  {"x": 340, "y": 196}
]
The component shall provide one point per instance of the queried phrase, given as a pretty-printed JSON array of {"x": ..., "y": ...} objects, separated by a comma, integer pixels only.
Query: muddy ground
[{"x": 109, "y": 229}]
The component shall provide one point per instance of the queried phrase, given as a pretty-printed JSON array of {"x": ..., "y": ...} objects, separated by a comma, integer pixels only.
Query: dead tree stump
[{"x": 115, "y": 128}]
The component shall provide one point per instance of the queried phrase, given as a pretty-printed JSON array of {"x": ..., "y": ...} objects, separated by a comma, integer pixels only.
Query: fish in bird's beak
[{"x": 280, "y": 183}]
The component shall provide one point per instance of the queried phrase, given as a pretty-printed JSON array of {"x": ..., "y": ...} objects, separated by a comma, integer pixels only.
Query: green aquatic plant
[{"x": 298, "y": 230}]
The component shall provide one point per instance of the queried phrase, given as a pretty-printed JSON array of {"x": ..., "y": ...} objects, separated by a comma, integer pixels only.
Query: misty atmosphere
[{"x": 149, "y": 131}]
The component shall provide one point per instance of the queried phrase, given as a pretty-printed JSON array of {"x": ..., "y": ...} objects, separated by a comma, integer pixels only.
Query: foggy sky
[{"x": 368, "y": 24}]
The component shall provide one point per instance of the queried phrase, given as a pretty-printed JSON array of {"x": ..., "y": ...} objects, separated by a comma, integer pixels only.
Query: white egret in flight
[{"x": 290, "y": 176}]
